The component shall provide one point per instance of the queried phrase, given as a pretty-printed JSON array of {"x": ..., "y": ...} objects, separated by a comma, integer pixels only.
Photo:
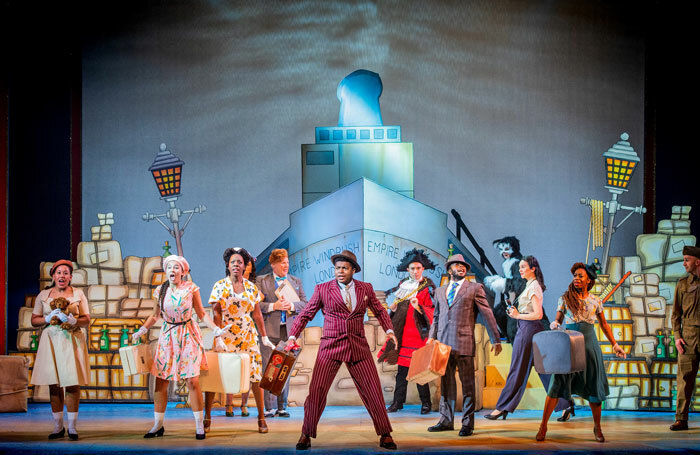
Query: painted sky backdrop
[{"x": 509, "y": 106}]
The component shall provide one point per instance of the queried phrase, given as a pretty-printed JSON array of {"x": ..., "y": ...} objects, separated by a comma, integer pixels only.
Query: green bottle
[
  {"x": 104, "y": 339},
  {"x": 124, "y": 338},
  {"x": 660, "y": 346},
  {"x": 672, "y": 351},
  {"x": 136, "y": 329},
  {"x": 166, "y": 250},
  {"x": 34, "y": 344}
]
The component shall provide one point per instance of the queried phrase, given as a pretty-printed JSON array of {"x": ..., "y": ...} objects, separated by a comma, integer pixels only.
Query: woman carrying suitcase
[
  {"x": 578, "y": 309},
  {"x": 529, "y": 315},
  {"x": 179, "y": 353}
]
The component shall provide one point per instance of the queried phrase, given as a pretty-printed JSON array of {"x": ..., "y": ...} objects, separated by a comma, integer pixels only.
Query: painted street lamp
[
  {"x": 167, "y": 173},
  {"x": 620, "y": 163}
]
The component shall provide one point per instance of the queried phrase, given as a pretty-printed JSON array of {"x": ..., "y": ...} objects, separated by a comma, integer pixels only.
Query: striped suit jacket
[
  {"x": 455, "y": 325},
  {"x": 343, "y": 336}
]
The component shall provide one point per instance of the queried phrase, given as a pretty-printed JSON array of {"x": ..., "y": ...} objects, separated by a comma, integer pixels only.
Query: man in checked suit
[
  {"x": 279, "y": 316},
  {"x": 456, "y": 306},
  {"x": 344, "y": 302}
]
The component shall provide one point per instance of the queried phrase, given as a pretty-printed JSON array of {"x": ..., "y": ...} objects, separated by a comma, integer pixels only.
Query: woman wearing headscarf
[
  {"x": 179, "y": 353},
  {"x": 62, "y": 357}
]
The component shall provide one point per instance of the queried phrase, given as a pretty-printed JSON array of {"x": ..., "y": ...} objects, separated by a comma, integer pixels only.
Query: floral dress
[
  {"x": 179, "y": 353},
  {"x": 242, "y": 336}
]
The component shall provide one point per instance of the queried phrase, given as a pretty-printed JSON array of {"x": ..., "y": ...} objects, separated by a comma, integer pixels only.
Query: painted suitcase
[
  {"x": 136, "y": 359},
  {"x": 279, "y": 369},
  {"x": 559, "y": 352},
  {"x": 228, "y": 373},
  {"x": 429, "y": 362},
  {"x": 14, "y": 382}
]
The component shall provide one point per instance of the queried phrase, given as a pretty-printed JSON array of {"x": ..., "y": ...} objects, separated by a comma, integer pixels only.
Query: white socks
[
  {"x": 199, "y": 421},
  {"x": 72, "y": 419},
  {"x": 57, "y": 421},
  {"x": 158, "y": 418}
]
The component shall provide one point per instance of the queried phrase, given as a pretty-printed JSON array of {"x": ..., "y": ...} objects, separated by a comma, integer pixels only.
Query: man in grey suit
[
  {"x": 456, "y": 307},
  {"x": 279, "y": 316}
]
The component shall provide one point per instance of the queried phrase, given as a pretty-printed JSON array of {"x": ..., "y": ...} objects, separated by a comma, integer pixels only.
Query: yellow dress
[
  {"x": 62, "y": 356},
  {"x": 242, "y": 336}
]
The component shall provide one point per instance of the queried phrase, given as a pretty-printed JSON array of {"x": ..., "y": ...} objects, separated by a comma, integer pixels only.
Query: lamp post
[
  {"x": 167, "y": 173},
  {"x": 620, "y": 163}
]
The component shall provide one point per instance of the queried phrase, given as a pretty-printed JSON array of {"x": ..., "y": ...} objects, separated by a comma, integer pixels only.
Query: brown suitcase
[
  {"x": 429, "y": 362},
  {"x": 279, "y": 367},
  {"x": 14, "y": 380}
]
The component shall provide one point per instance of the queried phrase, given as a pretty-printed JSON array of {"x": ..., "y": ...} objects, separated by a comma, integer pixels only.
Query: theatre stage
[{"x": 110, "y": 428}]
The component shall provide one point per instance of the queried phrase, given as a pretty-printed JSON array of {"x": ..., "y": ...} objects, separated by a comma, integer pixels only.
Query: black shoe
[
  {"x": 200, "y": 435},
  {"x": 441, "y": 427},
  {"x": 426, "y": 408},
  {"x": 158, "y": 433},
  {"x": 282, "y": 413},
  {"x": 466, "y": 431},
  {"x": 72, "y": 436},
  {"x": 678, "y": 425},
  {"x": 304, "y": 442},
  {"x": 58, "y": 435},
  {"x": 568, "y": 413},
  {"x": 386, "y": 442},
  {"x": 497, "y": 416},
  {"x": 393, "y": 407}
]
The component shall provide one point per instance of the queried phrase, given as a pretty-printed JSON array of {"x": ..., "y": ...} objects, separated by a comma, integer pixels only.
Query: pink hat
[{"x": 180, "y": 260}]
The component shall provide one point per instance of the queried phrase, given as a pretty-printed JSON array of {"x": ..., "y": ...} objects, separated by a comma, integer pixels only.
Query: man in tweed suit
[
  {"x": 456, "y": 306},
  {"x": 279, "y": 316},
  {"x": 344, "y": 302}
]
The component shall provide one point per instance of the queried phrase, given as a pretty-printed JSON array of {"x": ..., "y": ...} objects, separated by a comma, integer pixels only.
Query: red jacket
[{"x": 343, "y": 336}]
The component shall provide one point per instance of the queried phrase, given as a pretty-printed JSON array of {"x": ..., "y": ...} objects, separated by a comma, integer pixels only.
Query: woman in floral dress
[
  {"x": 179, "y": 353},
  {"x": 235, "y": 301}
]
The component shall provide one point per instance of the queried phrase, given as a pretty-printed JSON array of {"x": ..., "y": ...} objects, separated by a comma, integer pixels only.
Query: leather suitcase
[
  {"x": 228, "y": 372},
  {"x": 429, "y": 362},
  {"x": 14, "y": 380},
  {"x": 278, "y": 370},
  {"x": 136, "y": 359},
  {"x": 559, "y": 352}
]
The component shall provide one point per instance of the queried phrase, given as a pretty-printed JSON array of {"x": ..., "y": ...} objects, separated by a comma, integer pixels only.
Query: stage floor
[{"x": 110, "y": 428}]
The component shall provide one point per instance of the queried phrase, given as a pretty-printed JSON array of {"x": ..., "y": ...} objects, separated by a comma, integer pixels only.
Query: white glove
[
  {"x": 62, "y": 316},
  {"x": 71, "y": 319},
  {"x": 496, "y": 283},
  {"x": 138, "y": 334},
  {"x": 554, "y": 325},
  {"x": 50, "y": 316},
  {"x": 218, "y": 331},
  {"x": 219, "y": 345},
  {"x": 266, "y": 341}
]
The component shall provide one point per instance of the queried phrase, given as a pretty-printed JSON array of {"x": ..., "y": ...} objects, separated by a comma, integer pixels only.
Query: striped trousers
[{"x": 364, "y": 375}]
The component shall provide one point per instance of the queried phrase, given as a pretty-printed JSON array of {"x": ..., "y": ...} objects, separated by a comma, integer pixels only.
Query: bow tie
[{"x": 280, "y": 278}]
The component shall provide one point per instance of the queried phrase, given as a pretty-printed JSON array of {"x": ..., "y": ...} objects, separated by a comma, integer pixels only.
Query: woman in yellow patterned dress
[
  {"x": 179, "y": 353},
  {"x": 235, "y": 301}
]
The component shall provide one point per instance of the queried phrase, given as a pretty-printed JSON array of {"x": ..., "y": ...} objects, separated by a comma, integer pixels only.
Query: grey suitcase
[{"x": 559, "y": 352}]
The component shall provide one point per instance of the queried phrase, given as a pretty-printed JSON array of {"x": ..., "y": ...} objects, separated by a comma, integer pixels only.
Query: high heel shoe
[
  {"x": 541, "y": 433},
  {"x": 503, "y": 414},
  {"x": 158, "y": 433},
  {"x": 568, "y": 413},
  {"x": 244, "y": 411},
  {"x": 262, "y": 425},
  {"x": 229, "y": 410},
  {"x": 598, "y": 434},
  {"x": 207, "y": 425}
]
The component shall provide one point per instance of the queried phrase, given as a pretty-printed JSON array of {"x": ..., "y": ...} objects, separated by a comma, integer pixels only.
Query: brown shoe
[
  {"x": 207, "y": 425},
  {"x": 387, "y": 442},
  {"x": 304, "y": 442},
  {"x": 598, "y": 434},
  {"x": 541, "y": 433},
  {"x": 679, "y": 425},
  {"x": 262, "y": 425}
]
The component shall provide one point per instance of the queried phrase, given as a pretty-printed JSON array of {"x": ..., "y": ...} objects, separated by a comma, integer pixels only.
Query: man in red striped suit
[{"x": 344, "y": 302}]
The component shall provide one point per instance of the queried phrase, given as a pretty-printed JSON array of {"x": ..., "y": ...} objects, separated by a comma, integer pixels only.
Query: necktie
[
  {"x": 451, "y": 293},
  {"x": 348, "y": 300},
  {"x": 283, "y": 314}
]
